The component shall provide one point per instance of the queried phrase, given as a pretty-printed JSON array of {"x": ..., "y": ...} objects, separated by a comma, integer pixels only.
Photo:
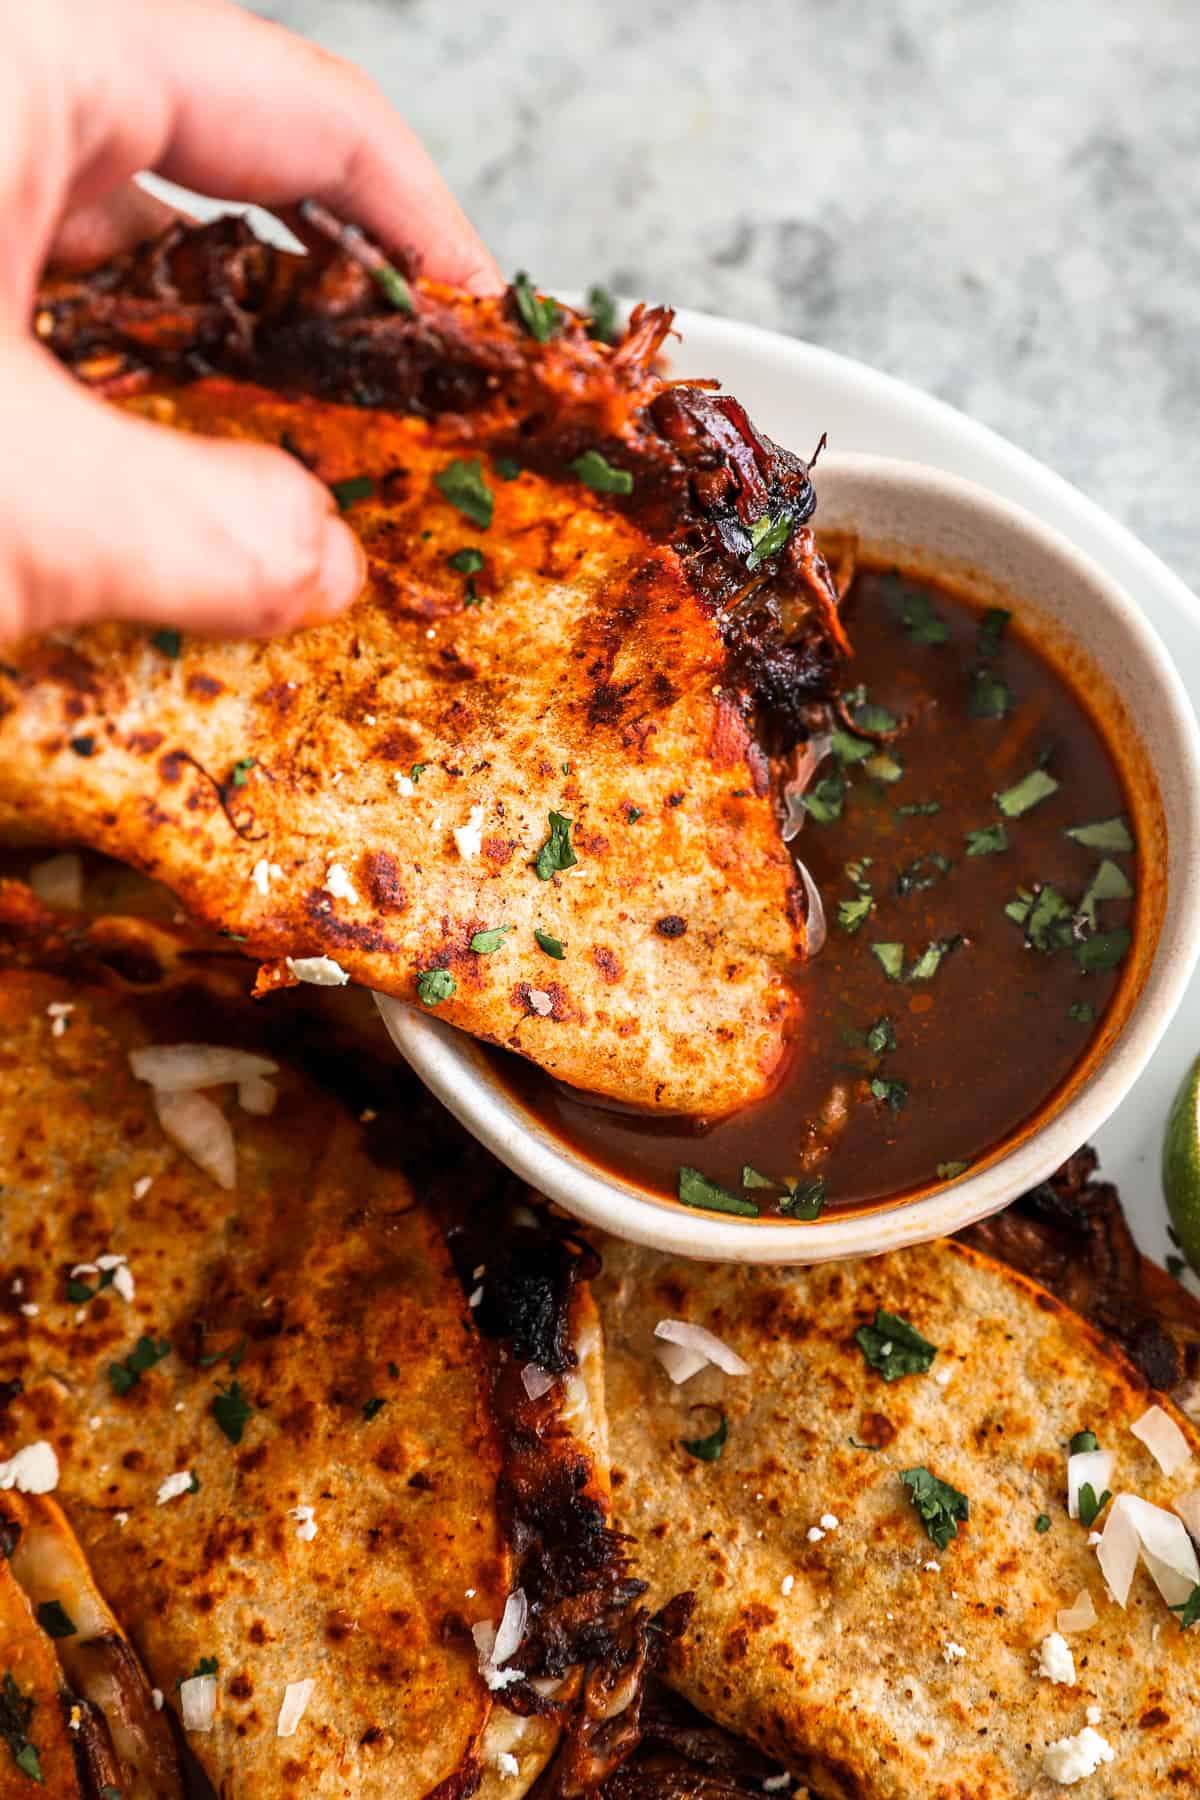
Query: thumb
[{"x": 106, "y": 516}]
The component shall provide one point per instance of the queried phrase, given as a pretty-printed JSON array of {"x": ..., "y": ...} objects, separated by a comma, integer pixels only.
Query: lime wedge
[{"x": 1181, "y": 1164}]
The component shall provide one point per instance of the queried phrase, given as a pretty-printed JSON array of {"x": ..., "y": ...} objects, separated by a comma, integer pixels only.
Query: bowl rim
[{"x": 457, "y": 1070}]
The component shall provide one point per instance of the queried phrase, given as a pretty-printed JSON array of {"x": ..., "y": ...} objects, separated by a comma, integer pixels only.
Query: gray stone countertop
[{"x": 998, "y": 203}]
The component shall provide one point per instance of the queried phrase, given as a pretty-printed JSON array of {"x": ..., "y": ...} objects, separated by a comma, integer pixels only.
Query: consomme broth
[{"x": 978, "y": 875}]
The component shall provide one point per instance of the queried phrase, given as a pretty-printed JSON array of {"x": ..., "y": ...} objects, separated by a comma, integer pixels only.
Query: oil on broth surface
[{"x": 973, "y": 945}]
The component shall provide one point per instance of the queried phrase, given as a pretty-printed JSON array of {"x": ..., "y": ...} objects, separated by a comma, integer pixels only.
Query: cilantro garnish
[
  {"x": 751, "y": 1178},
  {"x": 1089, "y": 1506},
  {"x": 921, "y": 873},
  {"x": 892, "y": 1094},
  {"x": 1189, "y": 1609},
  {"x": 549, "y": 944},
  {"x": 1042, "y": 1523},
  {"x": 208, "y": 1665},
  {"x": 881, "y": 1038},
  {"x": 1027, "y": 793},
  {"x": 239, "y": 775},
  {"x": 883, "y": 766},
  {"x": 695, "y": 1189},
  {"x": 538, "y": 316},
  {"x": 79, "y": 1293},
  {"x": 851, "y": 913},
  {"x": 484, "y": 942},
  {"x": 416, "y": 772},
  {"x": 1049, "y": 923},
  {"x": 461, "y": 483},
  {"x": 434, "y": 986},
  {"x": 597, "y": 473},
  {"x": 806, "y": 1200},
  {"x": 1107, "y": 834},
  {"x": 1083, "y": 1441},
  {"x": 850, "y": 750},
  {"x": 602, "y": 315},
  {"x": 1108, "y": 883},
  {"x": 988, "y": 841},
  {"x": 373, "y": 1406},
  {"x": 1082, "y": 1013},
  {"x": 930, "y": 959},
  {"x": 992, "y": 627},
  {"x": 467, "y": 561},
  {"x": 708, "y": 1449},
  {"x": 890, "y": 958},
  {"x": 556, "y": 853},
  {"x": 919, "y": 809},
  {"x": 16, "y": 1714},
  {"x": 767, "y": 538},
  {"x": 988, "y": 697},
  {"x": 55, "y": 1621},
  {"x": 894, "y": 1347},
  {"x": 230, "y": 1408},
  {"x": 916, "y": 614},
  {"x": 823, "y": 803},
  {"x": 145, "y": 1353},
  {"x": 1104, "y": 951},
  {"x": 868, "y": 716},
  {"x": 168, "y": 641},
  {"x": 507, "y": 467},
  {"x": 950, "y": 1171},
  {"x": 234, "y": 1354},
  {"x": 356, "y": 487},
  {"x": 939, "y": 1505},
  {"x": 393, "y": 286}
]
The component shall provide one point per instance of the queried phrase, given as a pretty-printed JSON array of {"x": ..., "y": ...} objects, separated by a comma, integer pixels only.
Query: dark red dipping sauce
[{"x": 973, "y": 942}]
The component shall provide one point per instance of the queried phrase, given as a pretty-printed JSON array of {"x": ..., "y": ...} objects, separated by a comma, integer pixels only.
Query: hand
[{"x": 103, "y": 515}]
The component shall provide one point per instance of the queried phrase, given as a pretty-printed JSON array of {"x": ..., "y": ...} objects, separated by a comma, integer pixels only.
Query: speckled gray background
[{"x": 998, "y": 200}]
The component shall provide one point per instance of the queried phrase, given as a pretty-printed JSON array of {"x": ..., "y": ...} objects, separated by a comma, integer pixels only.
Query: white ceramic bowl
[{"x": 927, "y": 520}]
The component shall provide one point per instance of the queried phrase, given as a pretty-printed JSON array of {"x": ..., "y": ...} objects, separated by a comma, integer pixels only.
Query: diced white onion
[
  {"x": 1163, "y": 1439},
  {"x": 806, "y": 760},
  {"x": 510, "y": 1632},
  {"x": 1094, "y": 1466},
  {"x": 175, "y": 1068},
  {"x": 198, "y": 1702},
  {"x": 536, "y": 1381},
  {"x": 680, "y": 1364},
  {"x": 1117, "y": 1551},
  {"x": 202, "y": 1132},
  {"x": 703, "y": 1342},
  {"x": 296, "y": 1696},
  {"x": 1165, "y": 1547},
  {"x": 257, "y": 1095},
  {"x": 815, "y": 930},
  {"x": 59, "y": 881},
  {"x": 1081, "y": 1615},
  {"x": 321, "y": 971}
]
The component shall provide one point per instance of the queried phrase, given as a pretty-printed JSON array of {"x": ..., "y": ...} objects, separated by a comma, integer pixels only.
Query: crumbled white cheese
[
  {"x": 156, "y": 1699},
  {"x": 942, "y": 1376},
  {"x": 469, "y": 837},
  {"x": 33, "y": 1470},
  {"x": 174, "y": 1485},
  {"x": 1094, "y": 1538},
  {"x": 142, "y": 1186},
  {"x": 541, "y": 1002},
  {"x": 404, "y": 785},
  {"x": 18, "y": 1285},
  {"x": 121, "y": 1518},
  {"x": 263, "y": 874},
  {"x": 935, "y": 1568},
  {"x": 1093, "y": 1715},
  {"x": 1055, "y": 1661},
  {"x": 774, "y": 1784},
  {"x": 1067, "y": 1760},
  {"x": 306, "y": 1524},
  {"x": 829, "y": 1521},
  {"x": 296, "y": 1696},
  {"x": 368, "y": 718},
  {"x": 59, "y": 1011},
  {"x": 31, "y": 1309},
  {"x": 952, "y": 1652},
  {"x": 815, "y": 1534},
  {"x": 787, "y": 1584},
  {"x": 322, "y": 971},
  {"x": 507, "y": 1763},
  {"x": 338, "y": 884}
]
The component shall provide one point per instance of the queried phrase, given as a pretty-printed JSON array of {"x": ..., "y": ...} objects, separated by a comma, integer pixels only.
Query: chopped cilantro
[
  {"x": 1042, "y": 1523},
  {"x": 434, "y": 986},
  {"x": 1049, "y": 923},
  {"x": 695, "y": 1189},
  {"x": 145, "y": 1353},
  {"x": 940, "y": 1506},
  {"x": 538, "y": 316},
  {"x": 461, "y": 483},
  {"x": 393, "y": 287},
  {"x": 373, "y": 1406},
  {"x": 992, "y": 627},
  {"x": 930, "y": 959},
  {"x": 484, "y": 942},
  {"x": 767, "y": 538},
  {"x": 988, "y": 697},
  {"x": 168, "y": 641},
  {"x": 851, "y": 913},
  {"x": 921, "y": 873},
  {"x": 1083, "y": 1441},
  {"x": 891, "y": 959},
  {"x": 416, "y": 772},
  {"x": 806, "y": 1200},
  {"x": 1175, "y": 1265},
  {"x": 55, "y": 1621},
  {"x": 848, "y": 749},
  {"x": 597, "y": 473},
  {"x": 1104, "y": 951},
  {"x": 915, "y": 613},
  {"x": 1082, "y": 1013},
  {"x": 869, "y": 717},
  {"x": 919, "y": 809},
  {"x": 881, "y": 1038},
  {"x": 1090, "y": 1507},
  {"x": 230, "y": 1408},
  {"x": 751, "y": 1178},
  {"x": 507, "y": 468},
  {"x": 556, "y": 853},
  {"x": 354, "y": 488},
  {"x": 235, "y": 1354},
  {"x": 894, "y": 1347},
  {"x": 16, "y": 1715},
  {"x": 883, "y": 766},
  {"x": 1027, "y": 793},
  {"x": 602, "y": 315},
  {"x": 549, "y": 944},
  {"x": 1189, "y": 1609},
  {"x": 467, "y": 561},
  {"x": 824, "y": 802},
  {"x": 950, "y": 1171},
  {"x": 239, "y": 775},
  {"x": 1108, "y": 883},
  {"x": 1108, "y": 834},
  {"x": 708, "y": 1449},
  {"x": 633, "y": 814},
  {"x": 988, "y": 841},
  {"x": 892, "y": 1094},
  {"x": 79, "y": 1293}
]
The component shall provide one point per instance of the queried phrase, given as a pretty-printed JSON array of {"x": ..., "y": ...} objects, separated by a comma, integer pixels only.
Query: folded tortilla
[{"x": 829, "y": 1629}]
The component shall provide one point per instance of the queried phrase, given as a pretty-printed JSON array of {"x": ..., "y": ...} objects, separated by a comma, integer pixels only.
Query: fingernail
[{"x": 343, "y": 571}]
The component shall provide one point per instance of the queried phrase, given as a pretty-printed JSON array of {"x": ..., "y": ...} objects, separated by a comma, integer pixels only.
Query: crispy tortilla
[
  {"x": 392, "y": 777},
  {"x": 872, "y": 1664}
]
